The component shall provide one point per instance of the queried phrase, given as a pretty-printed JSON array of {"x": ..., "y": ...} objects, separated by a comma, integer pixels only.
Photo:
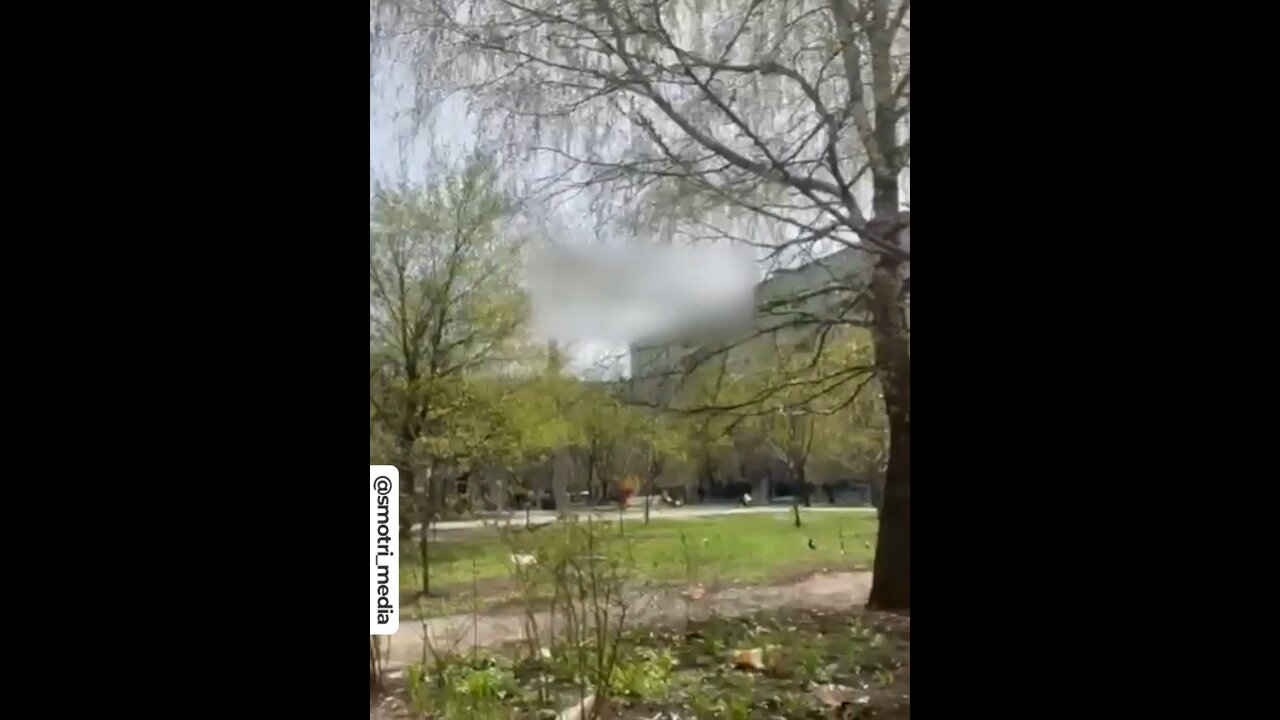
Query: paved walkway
[
  {"x": 543, "y": 517},
  {"x": 828, "y": 591}
]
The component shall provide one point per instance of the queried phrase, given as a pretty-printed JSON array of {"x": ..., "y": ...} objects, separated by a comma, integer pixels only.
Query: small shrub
[
  {"x": 467, "y": 691},
  {"x": 482, "y": 684},
  {"x": 584, "y": 575},
  {"x": 736, "y": 707},
  {"x": 415, "y": 680},
  {"x": 793, "y": 705},
  {"x": 704, "y": 706},
  {"x": 811, "y": 665},
  {"x": 645, "y": 675}
]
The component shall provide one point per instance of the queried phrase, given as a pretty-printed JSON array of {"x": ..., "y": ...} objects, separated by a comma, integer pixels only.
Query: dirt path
[{"x": 831, "y": 591}]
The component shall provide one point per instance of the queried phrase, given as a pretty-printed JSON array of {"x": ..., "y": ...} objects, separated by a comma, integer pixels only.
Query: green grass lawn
[{"x": 732, "y": 549}]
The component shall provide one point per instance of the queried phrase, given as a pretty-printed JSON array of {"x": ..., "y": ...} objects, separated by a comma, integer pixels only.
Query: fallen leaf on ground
[
  {"x": 752, "y": 659},
  {"x": 695, "y": 593}
]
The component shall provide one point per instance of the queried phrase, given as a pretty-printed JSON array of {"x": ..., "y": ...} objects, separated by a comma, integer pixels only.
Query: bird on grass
[{"x": 811, "y": 545}]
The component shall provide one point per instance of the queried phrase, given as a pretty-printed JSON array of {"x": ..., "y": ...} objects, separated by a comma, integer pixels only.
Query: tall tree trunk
[
  {"x": 795, "y": 508},
  {"x": 891, "y": 584},
  {"x": 424, "y": 558},
  {"x": 706, "y": 479},
  {"x": 426, "y": 503},
  {"x": 561, "y": 466},
  {"x": 805, "y": 490},
  {"x": 408, "y": 482},
  {"x": 408, "y": 499},
  {"x": 591, "y": 473},
  {"x": 801, "y": 488},
  {"x": 655, "y": 469},
  {"x": 498, "y": 487}
]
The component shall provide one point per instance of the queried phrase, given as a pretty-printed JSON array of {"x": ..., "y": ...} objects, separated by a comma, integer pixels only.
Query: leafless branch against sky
[{"x": 765, "y": 123}]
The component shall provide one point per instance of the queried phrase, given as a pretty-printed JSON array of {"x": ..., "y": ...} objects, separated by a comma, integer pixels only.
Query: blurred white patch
[
  {"x": 523, "y": 560},
  {"x": 618, "y": 294}
]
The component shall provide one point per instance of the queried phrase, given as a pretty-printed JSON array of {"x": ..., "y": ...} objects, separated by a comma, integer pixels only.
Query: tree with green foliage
[
  {"x": 664, "y": 438},
  {"x": 603, "y": 430},
  {"x": 545, "y": 430},
  {"x": 806, "y": 414},
  {"x": 444, "y": 306},
  {"x": 708, "y": 384}
]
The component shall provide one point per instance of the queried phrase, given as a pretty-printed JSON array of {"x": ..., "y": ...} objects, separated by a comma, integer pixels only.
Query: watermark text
[{"x": 384, "y": 549}]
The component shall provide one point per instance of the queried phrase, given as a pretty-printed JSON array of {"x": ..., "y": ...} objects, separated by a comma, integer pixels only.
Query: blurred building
[{"x": 792, "y": 307}]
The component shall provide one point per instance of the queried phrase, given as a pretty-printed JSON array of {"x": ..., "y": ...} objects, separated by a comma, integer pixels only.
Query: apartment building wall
[{"x": 792, "y": 307}]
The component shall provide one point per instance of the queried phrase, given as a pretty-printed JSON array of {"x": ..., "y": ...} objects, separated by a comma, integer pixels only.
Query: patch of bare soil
[{"x": 656, "y": 606}]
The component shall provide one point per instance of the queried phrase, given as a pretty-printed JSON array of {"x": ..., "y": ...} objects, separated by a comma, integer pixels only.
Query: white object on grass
[{"x": 523, "y": 560}]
